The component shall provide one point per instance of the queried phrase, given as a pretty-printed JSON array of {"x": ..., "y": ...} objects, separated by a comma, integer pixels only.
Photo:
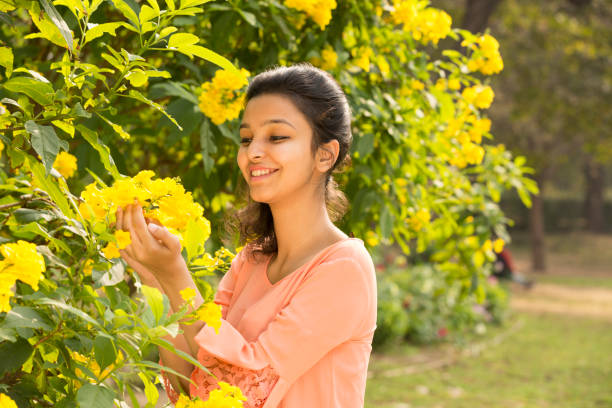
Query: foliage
[
  {"x": 420, "y": 304},
  {"x": 122, "y": 85}
]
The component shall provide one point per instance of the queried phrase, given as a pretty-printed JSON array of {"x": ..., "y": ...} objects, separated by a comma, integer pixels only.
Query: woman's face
[{"x": 275, "y": 154}]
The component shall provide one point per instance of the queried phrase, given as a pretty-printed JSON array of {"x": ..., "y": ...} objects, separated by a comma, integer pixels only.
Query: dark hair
[{"x": 318, "y": 96}]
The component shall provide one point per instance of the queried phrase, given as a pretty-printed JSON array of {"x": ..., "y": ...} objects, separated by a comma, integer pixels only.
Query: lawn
[
  {"x": 545, "y": 360},
  {"x": 544, "y": 356}
]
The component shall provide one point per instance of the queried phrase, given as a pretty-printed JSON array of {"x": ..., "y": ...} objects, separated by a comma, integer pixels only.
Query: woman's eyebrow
[{"x": 268, "y": 122}]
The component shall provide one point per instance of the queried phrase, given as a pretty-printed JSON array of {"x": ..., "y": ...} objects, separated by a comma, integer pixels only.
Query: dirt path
[{"x": 550, "y": 298}]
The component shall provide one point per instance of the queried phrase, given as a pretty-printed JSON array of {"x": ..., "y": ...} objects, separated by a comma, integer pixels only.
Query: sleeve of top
[
  {"x": 325, "y": 311},
  {"x": 223, "y": 297}
]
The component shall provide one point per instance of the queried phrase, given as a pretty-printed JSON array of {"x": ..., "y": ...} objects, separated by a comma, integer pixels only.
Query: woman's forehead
[{"x": 272, "y": 109}]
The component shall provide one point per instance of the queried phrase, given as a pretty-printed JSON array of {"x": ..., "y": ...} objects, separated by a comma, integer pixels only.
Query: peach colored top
[{"x": 304, "y": 341}]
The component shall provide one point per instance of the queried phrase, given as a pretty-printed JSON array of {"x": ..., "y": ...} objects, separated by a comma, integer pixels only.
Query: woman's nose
[{"x": 255, "y": 150}]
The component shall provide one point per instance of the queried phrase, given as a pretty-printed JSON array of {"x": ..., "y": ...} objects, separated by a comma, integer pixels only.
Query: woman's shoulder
[{"x": 348, "y": 248}]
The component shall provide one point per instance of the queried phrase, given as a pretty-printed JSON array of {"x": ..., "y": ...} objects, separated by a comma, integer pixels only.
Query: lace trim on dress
[{"x": 256, "y": 385}]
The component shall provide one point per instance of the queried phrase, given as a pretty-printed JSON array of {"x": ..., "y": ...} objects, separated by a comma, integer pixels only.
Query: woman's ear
[{"x": 327, "y": 154}]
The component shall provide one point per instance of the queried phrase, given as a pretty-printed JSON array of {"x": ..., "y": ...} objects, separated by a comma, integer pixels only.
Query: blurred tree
[{"x": 554, "y": 93}]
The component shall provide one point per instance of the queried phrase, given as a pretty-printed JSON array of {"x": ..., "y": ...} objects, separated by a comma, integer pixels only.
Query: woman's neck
[{"x": 301, "y": 227}]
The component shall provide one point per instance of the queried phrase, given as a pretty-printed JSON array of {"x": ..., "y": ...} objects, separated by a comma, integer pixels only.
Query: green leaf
[
  {"x": 147, "y": 13},
  {"x": 104, "y": 351},
  {"x": 117, "y": 128},
  {"x": 97, "y": 30},
  {"x": 69, "y": 309},
  {"x": 20, "y": 316},
  {"x": 45, "y": 142},
  {"x": 150, "y": 390},
  {"x": 127, "y": 12},
  {"x": 59, "y": 22},
  {"x": 206, "y": 54},
  {"x": 170, "y": 88},
  {"x": 105, "y": 155},
  {"x": 6, "y": 60},
  {"x": 365, "y": 145},
  {"x": 192, "y": 3},
  {"x": 207, "y": 145},
  {"x": 48, "y": 29},
  {"x": 14, "y": 355},
  {"x": 40, "y": 92},
  {"x": 95, "y": 396},
  {"x": 75, "y": 6},
  {"x": 140, "y": 97},
  {"x": 195, "y": 236},
  {"x": 182, "y": 39},
  {"x": 386, "y": 222},
  {"x": 155, "y": 300},
  {"x": 65, "y": 126}
]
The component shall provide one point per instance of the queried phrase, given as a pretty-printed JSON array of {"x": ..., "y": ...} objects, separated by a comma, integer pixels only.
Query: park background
[{"x": 453, "y": 129}]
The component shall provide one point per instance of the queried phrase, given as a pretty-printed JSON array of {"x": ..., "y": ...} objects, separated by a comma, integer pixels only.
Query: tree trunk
[
  {"x": 536, "y": 229},
  {"x": 594, "y": 196},
  {"x": 477, "y": 13}
]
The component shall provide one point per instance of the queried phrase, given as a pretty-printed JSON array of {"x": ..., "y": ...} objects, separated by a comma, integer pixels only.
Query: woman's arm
[{"x": 147, "y": 277}]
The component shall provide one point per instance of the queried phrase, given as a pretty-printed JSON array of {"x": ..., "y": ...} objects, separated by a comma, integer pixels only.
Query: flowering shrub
[{"x": 125, "y": 86}]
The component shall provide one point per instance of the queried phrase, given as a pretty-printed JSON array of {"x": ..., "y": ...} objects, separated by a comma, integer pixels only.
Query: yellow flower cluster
[
  {"x": 7, "y": 402},
  {"x": 496, "y": 246},
  {"x": 419, "y": 220},
  {"x": 162, "y": 199},
  {"x": 328, "y": 60},
  {"x": 486, "y": 57},
  {"x": 21, "y": 262},
  {"x": 319, "y": 10},
  {"x": 65, "y": 164},
  {"x": 478, "y": 95},
  {"x": 220, "y": 99},
  {"x": 226, "y": 396},
  {"x": 210, "y": 313},
  {"x": 112, "y": 249},
  {"x": 362, "y": 57},
  {"x": 425, "y": 24}
]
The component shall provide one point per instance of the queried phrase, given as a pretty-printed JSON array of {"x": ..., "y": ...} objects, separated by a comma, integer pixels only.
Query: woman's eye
[
  {"x": 277, "y": 138},
  {"x": 245, "y": 140}
]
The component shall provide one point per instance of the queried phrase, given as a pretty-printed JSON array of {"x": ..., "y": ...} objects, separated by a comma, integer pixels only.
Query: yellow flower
[
  {"x": 383, "y": 65},
  {"x": 88, "y": 267},
  {"x": 1, "y": 147},
  {"x": 65, "y": 164},
  {"x": 111, "y": 251},
  {"x": 7, "y": 402},
  {"x": 431, "y": 25},
  {"x": 93, "y": 366},
  {"x": 319, "y": 10},
  {"x": 487, "y": 246},
  {"x": 478, "y": 95},
  {"x": 419, "y": 219},
  {"x": 454, "y": 84},
  {"x": 220, "y": 99},
  {"x": 329, "y": 58},
  {"x": 362, "y": 58},
  {"x": 405, "y": 12},
  {"x": 498, "y": 245},
  {"x": 123, "y": 239},
  {"x": 23, "y": 262},
  {"x": 472, "y": 153},
  {"x": 188, "y": 294},
  {"x": 210, "y": 313},
  {"x": 417, "y": 85},
  {"x": 371, "y": 238}
]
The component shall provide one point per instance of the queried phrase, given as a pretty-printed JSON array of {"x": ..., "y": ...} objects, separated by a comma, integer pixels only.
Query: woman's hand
[{"x": 154, "y": 253}]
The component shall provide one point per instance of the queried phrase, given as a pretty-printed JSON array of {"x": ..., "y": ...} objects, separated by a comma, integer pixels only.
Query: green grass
[
  {"x": 575, "y": 281},
  {"x": 549, "y": 361}
]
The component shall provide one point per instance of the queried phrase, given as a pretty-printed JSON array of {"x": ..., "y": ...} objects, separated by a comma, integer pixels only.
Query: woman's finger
[
  {"x": 119, "y": 219},
  {"x": 140, "y": 226},
  {"x": 129, "y": 226}
]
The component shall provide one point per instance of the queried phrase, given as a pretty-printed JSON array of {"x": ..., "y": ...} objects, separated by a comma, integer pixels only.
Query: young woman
[{"x": 299, "y": 301}]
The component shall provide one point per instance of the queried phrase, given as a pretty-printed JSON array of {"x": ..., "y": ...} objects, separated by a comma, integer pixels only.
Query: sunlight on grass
[{"x": 550, "y": 361}]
